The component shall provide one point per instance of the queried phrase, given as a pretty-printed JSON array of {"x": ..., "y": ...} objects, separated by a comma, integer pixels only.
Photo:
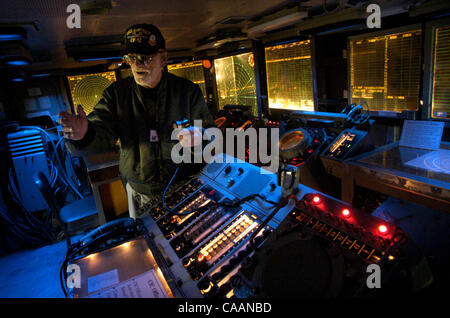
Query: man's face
[{"x": 147, "y": 69}]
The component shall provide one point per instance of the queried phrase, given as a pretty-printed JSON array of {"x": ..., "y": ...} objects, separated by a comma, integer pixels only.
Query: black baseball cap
[{"x": 143, "y": 39}]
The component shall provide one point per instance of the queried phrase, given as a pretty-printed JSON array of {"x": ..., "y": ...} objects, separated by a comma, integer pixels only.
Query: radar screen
[
  {"x": 385, "y": 71},
  {"x": 289, "y": 76},
  {"x": 235, "y": 78},
  {"x": 192, "y": 71},
  {"x": 441, "y": 74},
  {"x": 87, "y": 89}
]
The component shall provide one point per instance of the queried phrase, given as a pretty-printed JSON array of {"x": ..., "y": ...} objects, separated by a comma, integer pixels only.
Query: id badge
[{"x": 153, "y": 136}]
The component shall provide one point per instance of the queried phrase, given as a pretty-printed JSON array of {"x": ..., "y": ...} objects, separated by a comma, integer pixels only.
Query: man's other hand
[
  {"x": 74, "y": 126},
  {"x": 190, "y": 137}
]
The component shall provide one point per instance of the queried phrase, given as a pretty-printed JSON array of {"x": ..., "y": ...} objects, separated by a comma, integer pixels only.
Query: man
[{"x": 140, "y": 112}]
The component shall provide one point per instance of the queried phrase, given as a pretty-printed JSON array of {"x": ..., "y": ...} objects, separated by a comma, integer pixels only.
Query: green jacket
[{"x": 120, "y": 115}]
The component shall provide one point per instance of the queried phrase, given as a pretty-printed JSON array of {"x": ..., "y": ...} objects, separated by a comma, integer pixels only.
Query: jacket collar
[{"x": 161, "y": 88}]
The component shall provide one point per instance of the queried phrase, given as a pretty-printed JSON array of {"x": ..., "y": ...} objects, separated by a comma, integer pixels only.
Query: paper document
[{"x": 422, "y": 134}]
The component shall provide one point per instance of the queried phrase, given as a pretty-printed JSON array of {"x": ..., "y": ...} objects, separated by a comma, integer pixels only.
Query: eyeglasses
[{"x": 141, "y": 59}]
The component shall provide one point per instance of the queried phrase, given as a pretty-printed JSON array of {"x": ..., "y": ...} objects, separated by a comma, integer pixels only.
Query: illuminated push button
[
  {"x": 346, "y": 213},
  {"x": 383, "y": 229},
  {"x": 316, "y": 199},
  {"x": 215, "y": 246}
]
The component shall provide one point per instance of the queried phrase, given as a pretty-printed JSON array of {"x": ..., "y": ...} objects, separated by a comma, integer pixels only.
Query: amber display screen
[
  {"x": 235, "y": 79},
  {"x": 192, "y": 71},
  {"x": 385, "y": 71},
  {"x": 289, "y": 76},
  {"x": 441, "y": 74},
  {"x": 87, "y": 89}
]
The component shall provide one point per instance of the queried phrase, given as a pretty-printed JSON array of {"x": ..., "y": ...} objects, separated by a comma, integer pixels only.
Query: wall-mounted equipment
[
  {"x": 12, "y": 34},
  {"x": 276, "y": 21},
  {"x": 28, "y": 156},
  {"x": 15, "y": 54},
  {"x": 99, "y": 48}
]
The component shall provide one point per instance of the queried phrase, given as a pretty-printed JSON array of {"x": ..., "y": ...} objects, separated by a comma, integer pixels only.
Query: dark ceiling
[{"x": 183, "y": 22}]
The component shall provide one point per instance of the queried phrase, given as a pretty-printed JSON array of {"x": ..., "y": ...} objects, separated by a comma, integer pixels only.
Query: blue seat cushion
[{"x": 78, "y": 210}]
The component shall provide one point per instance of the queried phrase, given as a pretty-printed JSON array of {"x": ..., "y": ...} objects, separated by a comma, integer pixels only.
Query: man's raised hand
[{"x": 74, "y": 126}]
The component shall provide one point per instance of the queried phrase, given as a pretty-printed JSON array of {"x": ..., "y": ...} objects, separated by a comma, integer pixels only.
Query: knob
[
  {"x": 186, "y": 262},
  {"x": 204, "y": 284},
  {"x": 242, "y": 254},
  {"x": 273, "y": 186},
  {"x": 216, "y": 277},
  {"x": 236, "y": 281},
  {"x": 258, "y": 240},
  {"x": 228, "y": 170},
  {"x": 230, "y": 183},
  {"x": 266, "y": 233},
  {"x": 226, "y": 268},
  {"x": 240, "y": 171},
  {"x": 234, "y": 261}
]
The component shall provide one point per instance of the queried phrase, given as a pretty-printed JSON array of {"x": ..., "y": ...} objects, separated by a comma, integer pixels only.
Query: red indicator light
[
  {"x": 346, "y": 213},
  {"x": 201, "y": 257},
  {"x": 310, "y": 151},
  {"x": 382, "y": 229},
  {"x": 316, "y": 199}
]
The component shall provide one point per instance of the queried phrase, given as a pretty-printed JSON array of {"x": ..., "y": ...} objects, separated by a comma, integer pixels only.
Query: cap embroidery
[{"x": 152, "y": 40}]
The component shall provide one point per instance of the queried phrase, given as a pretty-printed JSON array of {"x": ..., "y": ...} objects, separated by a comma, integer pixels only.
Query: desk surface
[
  {"x": 102, "y": 161},
  {"x": 405, "y": 173},
  {"x": 422, "y": 165}
]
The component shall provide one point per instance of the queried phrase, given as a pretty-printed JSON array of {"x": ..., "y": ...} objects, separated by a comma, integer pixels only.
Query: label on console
[
  {"x": 146, "y": 285},
  {"x": 103, "y": 280}
]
